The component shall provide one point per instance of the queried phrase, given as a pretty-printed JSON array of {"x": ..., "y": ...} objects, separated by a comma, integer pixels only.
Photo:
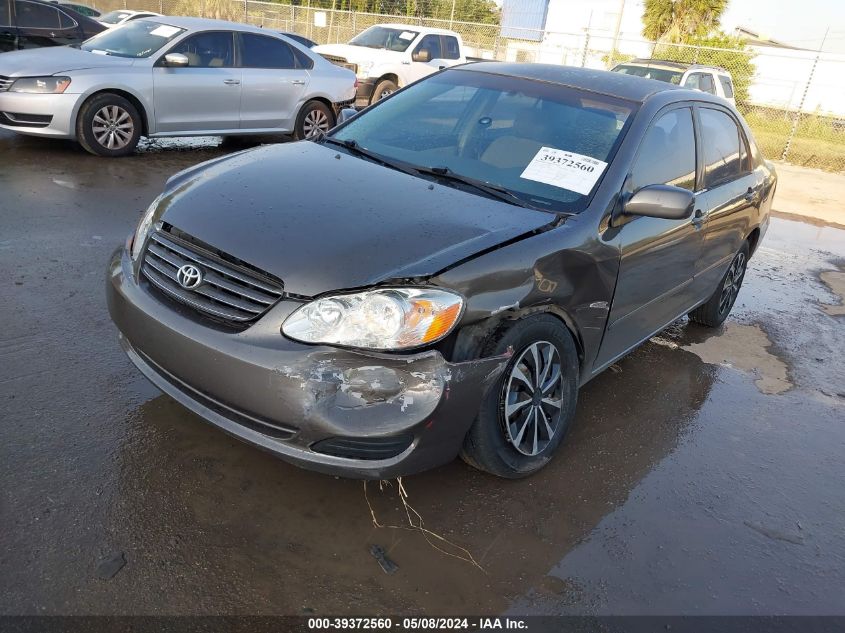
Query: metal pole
[
  {"x": 452, "y": 15},
  {"x": 616, "y": 32},
  {"x": 803, "y": 98},
  {"x": 586, "y": 48}
]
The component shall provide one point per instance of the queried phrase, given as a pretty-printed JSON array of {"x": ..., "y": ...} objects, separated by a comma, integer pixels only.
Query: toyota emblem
[{"x": 189, "y": 276}]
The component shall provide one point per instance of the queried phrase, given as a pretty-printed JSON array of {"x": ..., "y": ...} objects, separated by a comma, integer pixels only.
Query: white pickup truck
[{"x": 387, "y": 57}]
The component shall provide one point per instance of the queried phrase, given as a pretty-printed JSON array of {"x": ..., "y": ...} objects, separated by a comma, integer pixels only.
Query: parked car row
[
  {"x": 160, "y": 77},
  {"x": 541, "y": 222},
  {"x": 35, "y": 24}
]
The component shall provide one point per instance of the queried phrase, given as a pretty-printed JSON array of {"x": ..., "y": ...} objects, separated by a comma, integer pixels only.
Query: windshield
[
  {"x": 133, "y": 39},
  {"x": 114, "y": 17},
  {"x": 671, "y": 76},
  {"x": 382, "y": 37},
  {"x": 544, "y": 143}
]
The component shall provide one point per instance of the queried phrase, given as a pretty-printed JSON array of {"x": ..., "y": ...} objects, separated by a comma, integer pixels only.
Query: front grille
[
  {"x": 341, "y": 61},
  {"x": 229, "y": 292},
  {"x": 5, "y": 83},
  {"x": 16, "y": 119}
]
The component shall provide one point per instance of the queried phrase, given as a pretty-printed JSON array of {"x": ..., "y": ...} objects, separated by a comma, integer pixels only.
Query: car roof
[
  {"x": 198, "y": 24},
  {"x": 418, "y": 28},
  {"x": 612, "y": 84}
]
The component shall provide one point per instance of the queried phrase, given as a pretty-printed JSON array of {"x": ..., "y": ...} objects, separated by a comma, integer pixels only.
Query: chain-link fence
[{"x": 791, "y": 98}]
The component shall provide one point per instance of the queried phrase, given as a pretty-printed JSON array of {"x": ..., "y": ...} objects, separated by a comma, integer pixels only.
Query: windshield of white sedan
[
  {"x": 134, "y": 39},
  {"x": 546, "y": 144},
  {"x": 381, "y": 37}
]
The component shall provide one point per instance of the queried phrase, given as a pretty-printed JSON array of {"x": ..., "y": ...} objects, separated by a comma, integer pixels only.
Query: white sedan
[
  {"x": 160, "y": 77},
  {"x": 116, "y": 18}
]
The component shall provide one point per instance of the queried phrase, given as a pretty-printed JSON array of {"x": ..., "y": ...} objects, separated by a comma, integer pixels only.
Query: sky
[{"x": 798, "y": 22}]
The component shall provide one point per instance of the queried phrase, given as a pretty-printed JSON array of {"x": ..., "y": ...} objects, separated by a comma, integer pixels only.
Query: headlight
[
  {"x": 364, "y": 68},
  {"x": 385, "y": 318},
  {"x": 41, "y": 85},
  {"x": 143, "y": 229}
]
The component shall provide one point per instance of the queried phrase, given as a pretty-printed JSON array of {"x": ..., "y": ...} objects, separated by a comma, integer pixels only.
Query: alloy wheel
[
  {"x": 113, "y": 127},
  {"x": 532, "y": 398},
  {"x": 733, "y": 280},
  {"x": 315, "y": 123}
]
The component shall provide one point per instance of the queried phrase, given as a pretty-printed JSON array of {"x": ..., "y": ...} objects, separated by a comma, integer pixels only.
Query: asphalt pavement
[{"x": 704, "y": 473}]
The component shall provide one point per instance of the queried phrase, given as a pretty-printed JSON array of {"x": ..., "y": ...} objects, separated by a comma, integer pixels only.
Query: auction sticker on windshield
[
  {"x": 165, "y": 31},
  {"x": 566, "y": 170}
]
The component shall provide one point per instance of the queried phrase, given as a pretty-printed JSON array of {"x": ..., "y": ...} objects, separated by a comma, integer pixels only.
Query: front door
[
  {"x": 419, "y": 69},
  {"x": 210, "y": 80},
  {"x": 8, "y": 33},
  {"x": 729, "y": 189},
  {"x": 658, "y": 256},
  {"x": 273, "y": 83}
]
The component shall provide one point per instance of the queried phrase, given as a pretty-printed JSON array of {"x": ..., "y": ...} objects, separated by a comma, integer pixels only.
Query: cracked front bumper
[{"x": 298, "y": 401}]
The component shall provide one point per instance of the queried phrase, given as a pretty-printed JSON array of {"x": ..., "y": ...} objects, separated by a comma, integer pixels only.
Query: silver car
[{"x": 171, "y": 77}]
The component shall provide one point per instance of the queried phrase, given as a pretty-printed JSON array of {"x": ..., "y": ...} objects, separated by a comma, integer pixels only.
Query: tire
[
  {"x": 108, "y": 119},
  {"x": 501, "y": 440},
  {"x": 717, "y": 308},
  {"x": 383, "y": 89},
  {"x": 314, "y": 117}
]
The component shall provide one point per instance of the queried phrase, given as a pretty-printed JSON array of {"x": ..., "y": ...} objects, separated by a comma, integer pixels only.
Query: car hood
[
  {"x": 321, "y": 220},
  {"x": 51, "y": 60},
  {"x": 356, "y": 54}
]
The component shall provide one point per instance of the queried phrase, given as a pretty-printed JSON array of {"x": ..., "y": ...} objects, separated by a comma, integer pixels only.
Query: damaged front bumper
[{"x": 340, "y": 412}]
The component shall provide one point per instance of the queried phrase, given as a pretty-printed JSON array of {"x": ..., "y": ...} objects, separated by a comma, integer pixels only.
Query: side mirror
[
  {"x": 346, "y": 114},
  {"x": 421, "y": 56},
  {"x": 661, "y": 201},
  {"x": 176, "y": 60}
]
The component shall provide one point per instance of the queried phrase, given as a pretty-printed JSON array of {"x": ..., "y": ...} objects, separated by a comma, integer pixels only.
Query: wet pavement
[{"x": 704, "y": 473}]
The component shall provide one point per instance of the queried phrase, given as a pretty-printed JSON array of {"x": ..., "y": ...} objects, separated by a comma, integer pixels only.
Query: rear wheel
[
  {"x": 314, "y": 120},
  {"x": 718, "y": 306},
  {"x": 384, "y": 89},
  {"x": 108, "y": 125},
  {"x": 524, "y": 418}
]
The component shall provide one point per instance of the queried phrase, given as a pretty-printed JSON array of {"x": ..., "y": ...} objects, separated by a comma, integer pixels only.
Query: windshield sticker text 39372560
[{"x": 563, "y": 169}]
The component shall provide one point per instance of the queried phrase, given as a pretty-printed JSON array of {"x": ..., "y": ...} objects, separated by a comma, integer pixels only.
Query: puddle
[
  {"x": 836, "y": 281},
  {"x": 746, "y": 348}
]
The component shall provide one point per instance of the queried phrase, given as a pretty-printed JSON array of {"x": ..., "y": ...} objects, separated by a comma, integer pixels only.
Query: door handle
[
  {"x": 298, "y": 82},
  {"x": 698, "y": 218},
  {"x": 232, "y": 82}
]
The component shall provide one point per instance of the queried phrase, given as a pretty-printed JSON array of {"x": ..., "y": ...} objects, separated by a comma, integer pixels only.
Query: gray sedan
[{"x": 171, "y": 77}]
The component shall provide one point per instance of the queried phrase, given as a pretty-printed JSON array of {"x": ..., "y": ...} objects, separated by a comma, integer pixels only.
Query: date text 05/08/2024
[{"x": 412, "y": 624}]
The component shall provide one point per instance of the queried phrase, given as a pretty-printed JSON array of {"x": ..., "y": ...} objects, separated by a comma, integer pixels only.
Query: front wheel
[
  {"x": 524, "y": 418},
  {"x": 717, "y": 308},
  {"x": 384, "y": 89},
  {"x": 315, "y": 119},
  {"x": 108, "y": 125}
]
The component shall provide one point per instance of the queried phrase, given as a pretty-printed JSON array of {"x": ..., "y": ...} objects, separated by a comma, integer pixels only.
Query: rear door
[
  {"x": 8, "y": 33},
  {"x": 658, "y": 256},
  {"x": 730, "y": 190},
  {"x": 43, "y": 25},
  {"x": 205, "y": 95},
  {"x": 274, "y": 83}
]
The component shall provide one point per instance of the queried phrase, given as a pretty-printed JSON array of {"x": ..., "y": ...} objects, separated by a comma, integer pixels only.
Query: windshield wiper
[
  {"x": 500, "y": 193},
  {"x": 353, "y": 147}
]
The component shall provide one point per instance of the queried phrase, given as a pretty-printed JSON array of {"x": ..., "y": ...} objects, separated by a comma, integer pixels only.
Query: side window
[
  {"x": 302, "y": 60},
  {"x": 431, "y": 43},
  {"x": 720, "y": 147},
  {"x": 5, "y": 18},
  {"x": 727, "y": 86},
  {"x": 451, "y": 50},
  {"x": 701, "y": 81},
  {"x": 66, "y": 21},
  {"x": 667, "y": 153},
  {"x": 36, "y": 16},
  {"x": 260, "y": 51},
  {"x": 213, "y": 49}
]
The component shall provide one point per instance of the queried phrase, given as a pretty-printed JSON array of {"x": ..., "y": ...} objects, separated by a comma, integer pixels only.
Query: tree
[{"x": 678, "y": 20}]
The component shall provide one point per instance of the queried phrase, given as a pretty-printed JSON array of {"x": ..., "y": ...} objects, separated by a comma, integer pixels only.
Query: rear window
[
  {"x": 671, "y": 76},
  {"x": 115, "y": 16}
]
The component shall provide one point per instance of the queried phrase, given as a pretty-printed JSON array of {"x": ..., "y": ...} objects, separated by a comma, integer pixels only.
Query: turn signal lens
[{"x": 385, "y": 318}]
